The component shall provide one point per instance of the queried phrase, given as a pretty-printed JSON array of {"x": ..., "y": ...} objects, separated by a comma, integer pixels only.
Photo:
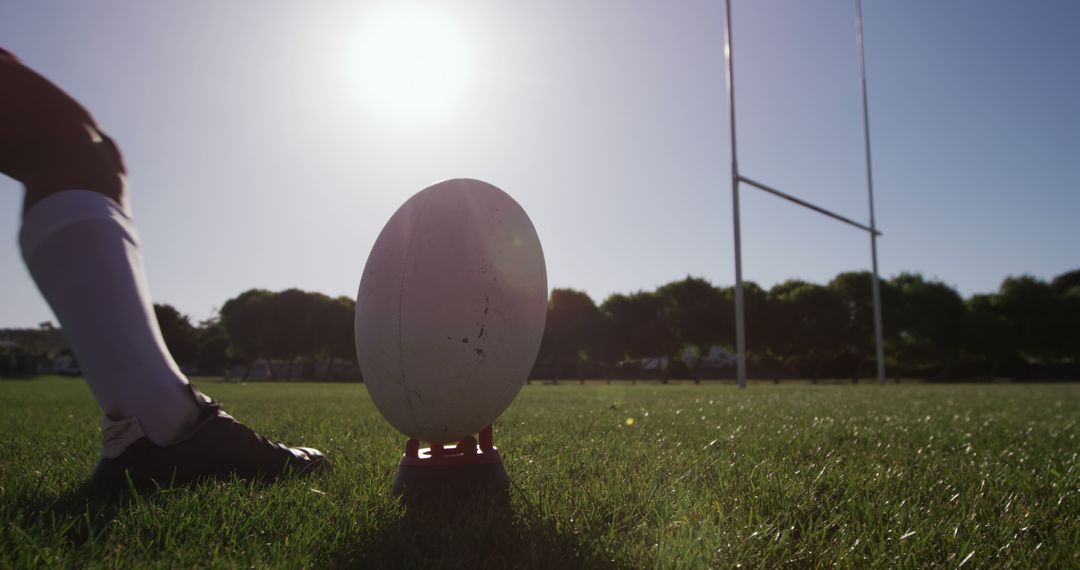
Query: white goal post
[{"x": 737, "y": 178}]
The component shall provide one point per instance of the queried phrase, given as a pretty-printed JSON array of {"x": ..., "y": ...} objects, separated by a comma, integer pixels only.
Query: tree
[
  {"x": 179, "y": 335},
  {"x": 46, "y": 341},
  {"x": 330, "y": 328},
  {"x": 606, "y": 345},
  {"x": 1066, "y": 282},
  {"x": 333, "y": 324},
  {"x": 810, "y": 325},
  {"x": 292, "y": 325},
  {"x": 855, "y": 289},
  {"x": 639, "y": 321},
  {"x": 246, "y": 319},
  {"x": 1037, "y": 313},
  {"x": 1067, "y": 288},
  {"x": 213, "y": 347},
  {"x": 761, "y": 323},
  {"x": 927, "y": 321},
  {"x": 697, "y": 312},
  {"x": 989, "y": 334},
  {"x": 31, "y": 351},
  {"x": 572, "y": 323},
  {"x": 288, "y": 334}
]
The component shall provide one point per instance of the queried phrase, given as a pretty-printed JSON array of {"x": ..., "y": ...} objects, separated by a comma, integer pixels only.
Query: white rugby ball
[{"x": 451, "y": 310}]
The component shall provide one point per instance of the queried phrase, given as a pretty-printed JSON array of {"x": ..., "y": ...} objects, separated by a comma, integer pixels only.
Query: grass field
[{"x": 616, "y": 476}]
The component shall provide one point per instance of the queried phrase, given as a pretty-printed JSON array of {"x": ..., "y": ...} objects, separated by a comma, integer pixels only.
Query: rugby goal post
[{"x": 738, "y": 178}]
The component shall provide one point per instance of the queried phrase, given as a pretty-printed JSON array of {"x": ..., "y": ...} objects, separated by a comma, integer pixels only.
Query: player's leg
[{"x": 81, "y": 248}]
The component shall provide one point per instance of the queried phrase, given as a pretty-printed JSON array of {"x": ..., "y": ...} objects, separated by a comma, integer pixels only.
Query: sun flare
[{"x": 412, "y": 63}]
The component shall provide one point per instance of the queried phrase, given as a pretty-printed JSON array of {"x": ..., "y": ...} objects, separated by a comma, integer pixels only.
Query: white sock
[{"x": 83, "y": 252}]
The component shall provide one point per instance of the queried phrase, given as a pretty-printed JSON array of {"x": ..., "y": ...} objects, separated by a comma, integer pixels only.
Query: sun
[{"x": 411, "y": 63}]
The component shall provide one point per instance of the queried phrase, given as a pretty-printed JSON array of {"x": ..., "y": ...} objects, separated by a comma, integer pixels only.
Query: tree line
[
  {"x": 292, "y": 331},
  {"x": 1029, "y": 328}
]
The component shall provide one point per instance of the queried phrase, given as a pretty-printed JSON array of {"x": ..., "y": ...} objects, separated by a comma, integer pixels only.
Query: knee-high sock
[{"x": 83, "y": 252}]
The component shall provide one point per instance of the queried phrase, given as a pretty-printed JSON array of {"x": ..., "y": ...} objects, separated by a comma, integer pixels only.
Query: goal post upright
[
  {"x": 879, "y": 344},
  {"x": 737, "y": 178},
  {"x": 740, "y": 316}
]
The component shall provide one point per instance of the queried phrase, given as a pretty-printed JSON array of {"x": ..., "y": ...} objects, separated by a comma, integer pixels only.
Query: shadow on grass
[
  {"x": 475, "y": 533},
  {"x": 76, "y": 517}
]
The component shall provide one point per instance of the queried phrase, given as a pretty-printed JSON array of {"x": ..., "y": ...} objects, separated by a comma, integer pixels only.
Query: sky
[{"x": 267, "y": 142}]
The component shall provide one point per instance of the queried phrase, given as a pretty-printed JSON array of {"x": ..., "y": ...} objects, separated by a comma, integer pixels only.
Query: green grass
[{"x": 790, "y": 475}]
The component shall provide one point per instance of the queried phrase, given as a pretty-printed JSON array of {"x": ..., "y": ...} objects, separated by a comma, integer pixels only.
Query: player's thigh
[{"x": 49, "y": 142}]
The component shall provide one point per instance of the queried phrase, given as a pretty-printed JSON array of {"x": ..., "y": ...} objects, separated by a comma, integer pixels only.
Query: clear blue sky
[{"x": 269, "y": 141}]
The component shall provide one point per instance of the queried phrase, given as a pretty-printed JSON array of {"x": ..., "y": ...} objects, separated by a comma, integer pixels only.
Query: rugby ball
[{"x": 451, "y": 310}]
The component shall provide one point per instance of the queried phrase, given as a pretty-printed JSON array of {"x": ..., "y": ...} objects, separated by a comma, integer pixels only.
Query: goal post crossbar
[{"x": 806, "y": 204}]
